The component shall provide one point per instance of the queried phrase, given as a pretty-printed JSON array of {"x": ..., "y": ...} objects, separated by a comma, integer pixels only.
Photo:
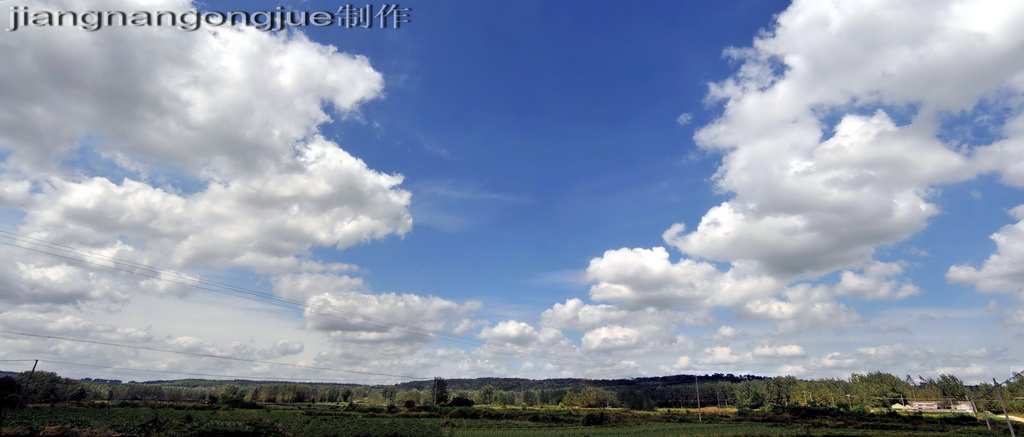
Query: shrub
[
  {"x": 460, "y": 401},
  {"x": 594, "y": 419}
]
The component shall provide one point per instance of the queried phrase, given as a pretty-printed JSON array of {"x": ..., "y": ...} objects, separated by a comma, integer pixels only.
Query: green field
[{"x": 323, "y": 420}]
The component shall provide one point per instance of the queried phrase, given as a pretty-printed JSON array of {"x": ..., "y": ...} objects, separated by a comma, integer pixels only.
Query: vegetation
[{"x": 44, "y": 403}]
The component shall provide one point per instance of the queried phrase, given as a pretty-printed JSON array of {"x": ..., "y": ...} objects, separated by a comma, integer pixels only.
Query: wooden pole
[
  {"x": 24, "y": 389},
  {"x": 697, "y": 381},
  {"x": 1009, "y": 423},
  {"x": 974, "y": 408}
]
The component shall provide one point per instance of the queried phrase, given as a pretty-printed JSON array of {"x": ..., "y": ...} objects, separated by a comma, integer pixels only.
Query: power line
[
  {"x": 168, "y": 372},
  {"x": 131, "y": 267},
  {"x": 197, "y": 354}
]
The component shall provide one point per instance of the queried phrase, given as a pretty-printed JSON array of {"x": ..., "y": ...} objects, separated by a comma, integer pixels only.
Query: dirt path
[{"x": 1017, "y": 419}]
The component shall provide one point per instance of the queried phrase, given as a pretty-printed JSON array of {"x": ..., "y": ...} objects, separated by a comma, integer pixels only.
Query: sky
[{"x": 529, "y": 189}]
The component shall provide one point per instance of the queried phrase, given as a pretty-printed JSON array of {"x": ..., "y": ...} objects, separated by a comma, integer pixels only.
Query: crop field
[{"x": 317, "y": 421}]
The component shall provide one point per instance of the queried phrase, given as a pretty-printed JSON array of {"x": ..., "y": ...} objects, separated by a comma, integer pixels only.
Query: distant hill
[{"x": 519, "y": 384}]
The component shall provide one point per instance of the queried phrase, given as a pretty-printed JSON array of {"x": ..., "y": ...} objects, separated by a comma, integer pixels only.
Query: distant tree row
[{"x": 875, "y": 389}]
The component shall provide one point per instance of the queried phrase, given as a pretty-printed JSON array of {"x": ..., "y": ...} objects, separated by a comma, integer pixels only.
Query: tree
[
  {"x": 48, "y": 387},
  {"x": 487, "y": 394},
  {"x": 879, "y": 389},
  {"x": 9, "y": 391},
  {"x": 389, "y": 393},
  {"x": 636, "y": 400},
  {"x": 781, "y": 390},
  {"x": 439, "y": 391},
  {"x": 531, "y": 398},
  {"x": 460, "y": 401},
  {"x": 951, "y": 387},
  {"x": 591, "y": 397}
]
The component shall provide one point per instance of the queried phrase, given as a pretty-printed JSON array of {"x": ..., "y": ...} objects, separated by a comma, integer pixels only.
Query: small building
[
  {"x": 946, "y": 406},
  {"x": 924, "y": 405}
]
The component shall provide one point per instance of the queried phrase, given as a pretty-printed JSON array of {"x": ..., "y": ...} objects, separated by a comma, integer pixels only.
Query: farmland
[
  {"x": 43, "y": 403},
  {"x": 166, "y": 419}
]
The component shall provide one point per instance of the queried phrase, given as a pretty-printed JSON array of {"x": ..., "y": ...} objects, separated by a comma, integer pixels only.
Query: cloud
[
  {"x": 637, "y": 278},
  {"x": 820, "y": 171},
  {"x": 578, "y": 316},
  {"x": 722, "y": 355},
  {"x": 207, "y": 154},
  {"x": 330, "y": 199},
  {"x": 726, "y": 332},
  {"x": 803, "y": 306},
  {"x": 789, "y": 350},
  {"x": 611, "y": 337},
  {"x": 222, "y": 102},
  {"x": 804, "y": 208},
  {"x": 343, "y": 307},
  {"x": 71, "y": 326},
  {"x": 833, "y": 147},
  {"x": 914, "y": 360},
  {"x": 874, "y": 283},
  {"x": 1003, "y": 271},
  {"x": 511, "y": 332},
  {"x": 282, "y": 348},
  {"x": 684, "y": 119}
]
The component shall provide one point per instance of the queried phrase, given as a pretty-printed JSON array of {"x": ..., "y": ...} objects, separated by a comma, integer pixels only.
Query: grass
[
  {"x": 328, "y": 420},
  {"x": 699, "y": 429}
]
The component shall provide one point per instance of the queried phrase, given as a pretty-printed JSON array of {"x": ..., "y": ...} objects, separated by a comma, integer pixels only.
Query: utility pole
[
  {"x": 24, "y": 388},
  {"x": 974, "y": 406},
  {"x": 1009, "y": 423},
  {"x": 697, "y": 381}
]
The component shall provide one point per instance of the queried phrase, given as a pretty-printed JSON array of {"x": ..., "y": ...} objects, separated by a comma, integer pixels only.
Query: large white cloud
[
  {"x": 200, "y": 152},
  {"x": 637, "y": 278},
  {"x": 521, "y": 334},
  {"x": 203, "y": 150},
  {"x": 574, "y": 314},
  {"x": 346, "y": 309},
  {"x": 221, "y": 101},
  {"x": 810, "y": 197},
  {"x": 802, "y": 307}
]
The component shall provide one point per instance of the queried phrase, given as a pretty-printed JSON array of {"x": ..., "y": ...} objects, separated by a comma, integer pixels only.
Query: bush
[
  {"x": 594, "y": 419},
  {"x": 460, "y": 401}
]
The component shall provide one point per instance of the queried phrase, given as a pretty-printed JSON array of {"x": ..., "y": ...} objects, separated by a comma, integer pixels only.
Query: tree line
[{"x": 868, "y": 390}]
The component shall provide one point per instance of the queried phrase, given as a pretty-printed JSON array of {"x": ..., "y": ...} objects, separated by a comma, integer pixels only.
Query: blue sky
[{"x": 584, "y": 190}]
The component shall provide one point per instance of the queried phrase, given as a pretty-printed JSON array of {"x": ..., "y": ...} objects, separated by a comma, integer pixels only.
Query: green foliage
[
  {"x": 389, "y": 394},
  {"x": 951, "y": 387},
  {"x": 594, "y": 419},
  {"x": 751, "y": 394},
  {"x": 591, "y": 397},
  {"x": 531, "y": 398},
  {"x": 49, "y": 388},
  {"x": 9, "y": 392},
  {"x": 322, "y": 421},
  {"x": 636, "y": 400},
  {"x": 439, "y": 391},
  {"x": 878, "y": 389},
  {"x": 460, "y": 401},
  {"x": 487, "y": 394}
]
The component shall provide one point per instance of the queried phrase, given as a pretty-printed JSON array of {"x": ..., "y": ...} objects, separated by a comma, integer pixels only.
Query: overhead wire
[
  {"x": 204, "y": 355},
  {"x": 234, "y": 377},
  {"x": 197, "y": 282}
]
